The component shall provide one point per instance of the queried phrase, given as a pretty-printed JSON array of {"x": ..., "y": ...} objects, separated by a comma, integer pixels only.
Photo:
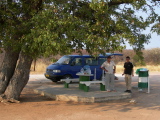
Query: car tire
[
  {"x": 54, "y": 80},
  {"x": 67, "y": 77}
]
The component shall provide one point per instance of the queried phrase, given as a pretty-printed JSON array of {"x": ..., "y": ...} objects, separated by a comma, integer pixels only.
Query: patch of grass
[{"x": 151, "y": 68}]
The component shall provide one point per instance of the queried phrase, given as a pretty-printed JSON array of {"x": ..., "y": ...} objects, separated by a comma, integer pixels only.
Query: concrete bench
[
  {"x": 88, "y": 83},
  {"x": 67, "y": 81}
]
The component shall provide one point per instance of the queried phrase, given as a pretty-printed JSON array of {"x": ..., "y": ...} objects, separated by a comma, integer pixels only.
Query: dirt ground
[{"x": 36, "y": 107}]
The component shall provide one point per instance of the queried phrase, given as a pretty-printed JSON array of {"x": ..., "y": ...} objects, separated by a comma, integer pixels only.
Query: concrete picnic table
[{"x": 83, "y": 77}]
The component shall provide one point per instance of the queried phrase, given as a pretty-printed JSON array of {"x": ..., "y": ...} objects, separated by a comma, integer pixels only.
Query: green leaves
[
  {"x": 156, "y": 26},
  {"x": 63, "y": 26}
]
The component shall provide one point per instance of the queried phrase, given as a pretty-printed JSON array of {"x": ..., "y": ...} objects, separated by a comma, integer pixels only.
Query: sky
[
  {"x": 155, "y": 39},
  {"x": 154, "y": 42}
]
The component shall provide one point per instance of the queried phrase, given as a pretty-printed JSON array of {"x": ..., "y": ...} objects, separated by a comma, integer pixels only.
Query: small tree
[{"x": 138, "y": 60}]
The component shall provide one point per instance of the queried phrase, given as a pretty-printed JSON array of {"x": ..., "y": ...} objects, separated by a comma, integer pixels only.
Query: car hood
[{"x": 54, "y": 66}]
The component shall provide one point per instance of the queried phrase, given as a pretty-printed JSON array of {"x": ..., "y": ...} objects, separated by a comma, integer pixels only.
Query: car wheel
[
  {"x": 67, "y": 77},
  {"x": 54, "y": 80}
]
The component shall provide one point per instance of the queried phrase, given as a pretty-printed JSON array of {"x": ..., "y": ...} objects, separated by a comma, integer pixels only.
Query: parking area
[{"x": 35, "y": 107}]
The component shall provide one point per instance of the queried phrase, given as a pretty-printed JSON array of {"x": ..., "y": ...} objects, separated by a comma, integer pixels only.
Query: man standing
[
  {"x": 107, "y": 66},
  {"x": 128, "y": 72}
]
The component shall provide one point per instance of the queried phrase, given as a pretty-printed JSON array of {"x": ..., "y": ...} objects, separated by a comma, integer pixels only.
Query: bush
[{"x": 152, "y": 56}]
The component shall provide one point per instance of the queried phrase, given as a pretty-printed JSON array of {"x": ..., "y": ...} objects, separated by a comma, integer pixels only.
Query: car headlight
[{"x": 57, "y": 71}]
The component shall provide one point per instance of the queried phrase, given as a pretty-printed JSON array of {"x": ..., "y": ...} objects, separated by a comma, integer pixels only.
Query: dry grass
[
  {"x": 151, "y": 68},
  {"x": 40, "y": 67}
]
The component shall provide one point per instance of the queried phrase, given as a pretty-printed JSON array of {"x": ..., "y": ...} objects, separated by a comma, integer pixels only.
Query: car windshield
[{"x": 64, "y": 60}]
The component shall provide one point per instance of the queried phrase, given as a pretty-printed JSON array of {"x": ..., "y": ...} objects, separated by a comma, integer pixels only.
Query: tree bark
[
  {"x": 20, "y": 77},
  {"x": 7, "y": 68}
]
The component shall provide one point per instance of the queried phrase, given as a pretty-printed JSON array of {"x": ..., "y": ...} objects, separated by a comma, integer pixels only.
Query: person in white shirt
[{"x": 110, "y": 68}]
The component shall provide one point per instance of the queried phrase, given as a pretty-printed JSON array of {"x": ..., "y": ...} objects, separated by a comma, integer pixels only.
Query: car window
[
  {"x": 77, "y": 61},
  {"x": 91, "y": 61},
  {"x": 102, "y": 60},
  {"x": 64, "y": 60}
]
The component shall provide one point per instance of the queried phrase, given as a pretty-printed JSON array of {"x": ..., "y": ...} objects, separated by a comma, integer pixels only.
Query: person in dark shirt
[{"x": 128, "y": 72}]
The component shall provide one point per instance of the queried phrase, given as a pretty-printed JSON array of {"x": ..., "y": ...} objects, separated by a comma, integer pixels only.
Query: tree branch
[{"x": 118, "y": 2}]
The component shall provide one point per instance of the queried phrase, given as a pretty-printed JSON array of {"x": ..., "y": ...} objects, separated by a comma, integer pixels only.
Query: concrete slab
[{"x": 73, "y": 93}]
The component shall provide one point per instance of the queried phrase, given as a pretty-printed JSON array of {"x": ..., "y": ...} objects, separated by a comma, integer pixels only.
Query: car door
[
  {"x": 93, "y": 63},
  {"x": 76, "y": 66},
  {"x": 99, "y": 71}
]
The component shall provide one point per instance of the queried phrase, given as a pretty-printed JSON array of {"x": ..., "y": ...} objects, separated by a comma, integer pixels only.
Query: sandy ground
[{"x": 36, "y": 107}]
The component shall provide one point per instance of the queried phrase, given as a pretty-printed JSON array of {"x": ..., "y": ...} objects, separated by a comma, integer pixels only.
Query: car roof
[{"x": 102, "y": 56}]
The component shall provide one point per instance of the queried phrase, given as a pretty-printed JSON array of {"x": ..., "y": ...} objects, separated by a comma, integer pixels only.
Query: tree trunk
[
  {"x": 7, "y": 68},
  {"x": 20, "y": 77}
]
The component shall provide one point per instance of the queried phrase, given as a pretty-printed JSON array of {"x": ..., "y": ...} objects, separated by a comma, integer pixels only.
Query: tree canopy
[
  {"x": 60, "y": 27},
  {"x": 156, "y": 26}
]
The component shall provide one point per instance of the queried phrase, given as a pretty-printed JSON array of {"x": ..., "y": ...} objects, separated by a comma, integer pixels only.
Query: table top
[
  {"x": 92, "y": 81},
  {"x": 84, "y": 74}
]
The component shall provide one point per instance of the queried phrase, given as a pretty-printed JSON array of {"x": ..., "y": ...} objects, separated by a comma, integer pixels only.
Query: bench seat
[
  {"x": 67, "y": 81},
  {"x": 88, "y": 83}
]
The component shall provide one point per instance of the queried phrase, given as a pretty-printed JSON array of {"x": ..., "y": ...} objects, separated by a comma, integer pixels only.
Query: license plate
[{"x": 47, "y": 75}]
